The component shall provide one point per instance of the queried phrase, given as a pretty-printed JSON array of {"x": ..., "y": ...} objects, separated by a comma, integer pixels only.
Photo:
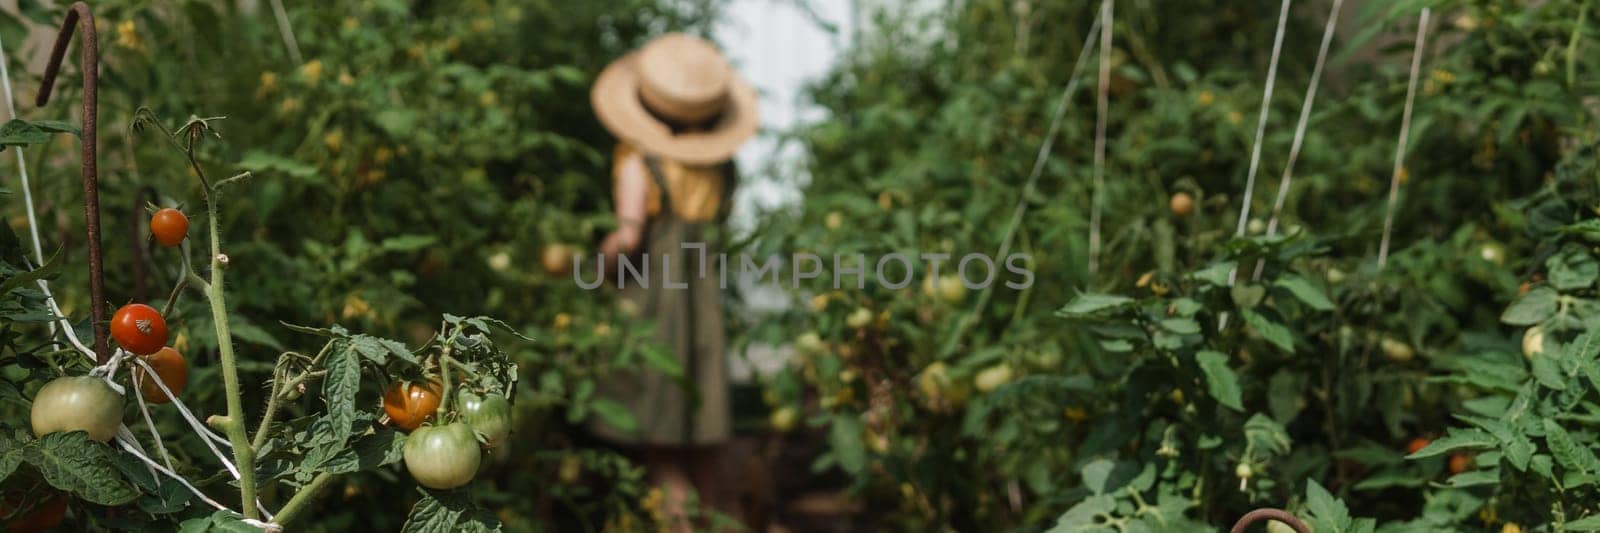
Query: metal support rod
[{"x": 80, "y": 15}]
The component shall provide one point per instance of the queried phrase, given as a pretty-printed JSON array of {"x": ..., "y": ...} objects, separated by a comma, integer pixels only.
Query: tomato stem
[
  {"x": 297, "y": 503},
  {"x": 243, "y": 452}
]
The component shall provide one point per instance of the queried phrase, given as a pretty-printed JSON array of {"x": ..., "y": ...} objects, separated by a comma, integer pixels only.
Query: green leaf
[
  {"x": 1273, "y": 332},
  {"x": 259, "y": 162},
  {"x": 73, "y": 463},
  {"x": 1090, "y": 304},
  {"x": 1221, "y": 382},
  {"x": 407, "y": 243},
  {"x": 383, "y": 447},
  {"x": 18, "y": 132},
  {"x": 1215, "y": 274},
  {"x": 29, "y": 277},
  {"x": 1082, "y": 517},
  {"x": 615, "y": 415},
  {"x": 448, "y": 512},
  {"x": 1247, "y": 296},
  {"x": 1331, "y": 513},
  {"x": 1568, "y": 452},
  {"x": 339, "y": 388},
  {"x": 845, "y": 438},
  {"x": 1587, "y": 523},
  {"x": 1097, "y": 474},
  {"x": 1572, "y": 269},
  {"x": 1532, "y": 308},
  {"x": 1305, "y": 292},
  {"x": 12, "y": 451},
  {"x": 378, "y": 350},
  {"x": 1181, "y": 326},
  {"x": 1456, "y": 438}
]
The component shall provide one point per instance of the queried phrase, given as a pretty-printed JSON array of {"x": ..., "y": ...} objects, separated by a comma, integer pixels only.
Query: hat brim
[{"x": 615, "y": 98}]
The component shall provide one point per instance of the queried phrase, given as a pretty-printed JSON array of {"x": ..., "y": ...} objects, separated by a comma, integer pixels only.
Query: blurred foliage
[{"x": 1158, "y": 397}]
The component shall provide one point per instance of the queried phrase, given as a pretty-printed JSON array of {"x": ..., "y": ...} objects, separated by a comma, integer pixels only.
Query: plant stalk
[{"x": 298, "y": 503}]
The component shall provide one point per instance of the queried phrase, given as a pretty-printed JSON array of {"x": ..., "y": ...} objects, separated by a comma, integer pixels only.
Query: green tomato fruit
[
  {"x": 489, "y": 415},
  {"x": 79, "y": 403},
  {"x": 442, "y": 457}
]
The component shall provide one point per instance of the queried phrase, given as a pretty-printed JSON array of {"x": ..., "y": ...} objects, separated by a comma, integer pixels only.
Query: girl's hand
[{"x": 624, "y": 240}]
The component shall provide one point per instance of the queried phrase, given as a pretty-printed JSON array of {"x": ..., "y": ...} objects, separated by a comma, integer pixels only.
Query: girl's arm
[{"x": 629, "y": 195}]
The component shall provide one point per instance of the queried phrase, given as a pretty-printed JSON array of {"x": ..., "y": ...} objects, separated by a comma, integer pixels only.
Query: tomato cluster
[{"x": 446, "y": 456}]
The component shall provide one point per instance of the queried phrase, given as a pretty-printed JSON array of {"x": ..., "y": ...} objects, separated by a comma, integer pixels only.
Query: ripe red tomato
[
  {"x": 170, "y": 366},
  {"x": 1417, "y": 444},
  {"x": 409, "y": 403},
  {"x": 139, "y": 328},
  {"x": 44, "y": 516},
  {"x": 169, "y": 226},
  {"x": 77, "y": 403},
  {"x": 1460, "y": 462},
  {"x": 443, "y": 457}
]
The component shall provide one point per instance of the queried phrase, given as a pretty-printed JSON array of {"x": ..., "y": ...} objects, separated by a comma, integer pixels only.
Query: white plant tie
[
  {"x": 1102, "y": 103},
  {"x": 194, "y": 422},
  {"x": 1405, "y": 133},
  {"x": 1300, "y": 129}
]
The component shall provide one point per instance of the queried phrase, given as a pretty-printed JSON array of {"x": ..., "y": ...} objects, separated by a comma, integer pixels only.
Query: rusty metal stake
[
  {"x": 80, "y": 15},
  {"x": 1280, "y": 515}
]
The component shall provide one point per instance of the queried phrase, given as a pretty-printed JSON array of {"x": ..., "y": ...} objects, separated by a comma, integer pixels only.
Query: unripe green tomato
[
  {"x": 859, "y": 318},
  {"x": 1244, "y": 471},
  {"x": 1335, "y": 276},
  {"x": 993, "y": 377},
  {"x": 1532, "y": 342},
  {"x": 489, "y": 415},
  {"x": 442, "y": 457},
  {"x": 1396, "y": 350},
  {"x": 783, "y": 419},
  {"x": 77, "y": 403},
  {"x": 1274, "y": 526}
]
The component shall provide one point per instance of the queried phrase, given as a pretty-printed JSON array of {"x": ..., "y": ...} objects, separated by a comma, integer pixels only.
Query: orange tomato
[
  {"x": 1417, "y": 444},
  {"x": 1181, "y": 204},
  {"x": 170, "y": 366},
  {"x": 409, "y": 403},
  {"x": 169, "y": 226},
  {"x": 1460, "y": 462}
]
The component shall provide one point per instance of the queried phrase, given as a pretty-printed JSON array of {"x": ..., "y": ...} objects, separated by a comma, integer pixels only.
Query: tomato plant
[{"x": 139, "y": 329}]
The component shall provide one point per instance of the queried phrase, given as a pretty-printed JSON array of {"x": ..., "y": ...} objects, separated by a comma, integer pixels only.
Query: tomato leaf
[
  {"x": 339, "y": 388},
  {"x": 1305, "y": 292},
  {"x": 614, "y": 415},
  {"x": 73, "y": 463},
  {"x": 1567, "y": 451},
  {"x": 845, "y": 437},
  {"x": 1532, "y": 308},
  {"x": 11, "y": 451},
  {"x": 1572, "y": 269},
  {"x": 1084, "y": 515},
  {"x": 1455, "y": 439},
  {"x": 1273, "y": 332},
  {"x": 448, "y": 512},
  {"x": 1221, "y": 382},
  {"x": 1094, "y": 305}
]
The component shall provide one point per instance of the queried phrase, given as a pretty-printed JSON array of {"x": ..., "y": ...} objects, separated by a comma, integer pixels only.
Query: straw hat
[{"x": 683, "y": 79}]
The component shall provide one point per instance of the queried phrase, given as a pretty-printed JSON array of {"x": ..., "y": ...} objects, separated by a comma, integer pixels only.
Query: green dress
[{"x": 688, "y": 325}]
